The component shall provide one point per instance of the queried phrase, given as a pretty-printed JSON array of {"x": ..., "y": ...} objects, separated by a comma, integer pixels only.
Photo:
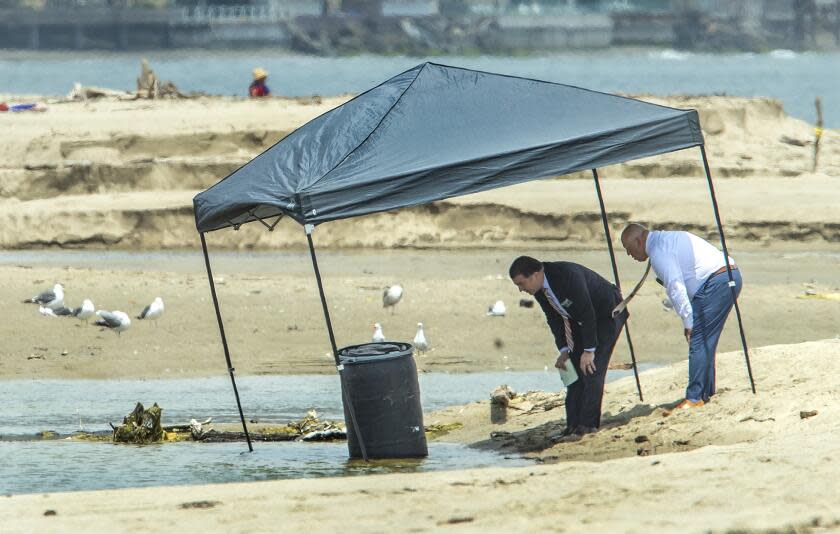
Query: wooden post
[{"x": 818, "y": 131}]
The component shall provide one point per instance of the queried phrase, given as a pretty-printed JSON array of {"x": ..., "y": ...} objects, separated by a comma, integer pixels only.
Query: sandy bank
[
  {"x": 274, "y": 323},
  {"x": 756, "y": 465},
  {"x": 122, "y": 175},
  {"x": 553, "y": 214}
]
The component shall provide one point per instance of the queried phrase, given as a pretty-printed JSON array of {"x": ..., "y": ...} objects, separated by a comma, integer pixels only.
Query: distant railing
[{"x": 213, "y": 14}]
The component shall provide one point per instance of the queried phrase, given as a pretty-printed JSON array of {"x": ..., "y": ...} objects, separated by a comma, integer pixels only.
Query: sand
[
  {"x": 105, "y": 174},
  {"x": 274, "y": 321},
  {"x": 745, "y": 463}
]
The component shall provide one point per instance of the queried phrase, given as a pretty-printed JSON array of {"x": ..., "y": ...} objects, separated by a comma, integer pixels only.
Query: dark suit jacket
[{"x": 584, "y": 294}]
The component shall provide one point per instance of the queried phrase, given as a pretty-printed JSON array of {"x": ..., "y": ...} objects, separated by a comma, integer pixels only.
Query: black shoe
[
  {"x": 567, "y": 434},
  {"x": 583, "y": 430}
]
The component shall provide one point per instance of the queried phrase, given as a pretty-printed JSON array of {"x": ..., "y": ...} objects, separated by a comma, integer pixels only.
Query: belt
[{"x": 723, "y": 270}]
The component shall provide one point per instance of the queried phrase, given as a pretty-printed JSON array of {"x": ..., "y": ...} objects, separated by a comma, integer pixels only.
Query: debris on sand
[{"x": 141, "y": 426}]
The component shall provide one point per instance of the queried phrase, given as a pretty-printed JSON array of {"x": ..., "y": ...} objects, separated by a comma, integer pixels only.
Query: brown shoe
[{"x": 686, "y": 403}]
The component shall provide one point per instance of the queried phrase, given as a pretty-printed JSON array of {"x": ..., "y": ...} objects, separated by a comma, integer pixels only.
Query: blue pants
[{"x": 711, "y": 306}]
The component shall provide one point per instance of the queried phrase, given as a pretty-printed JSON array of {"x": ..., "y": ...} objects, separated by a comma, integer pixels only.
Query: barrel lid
[{"x": 374, "y": 352}]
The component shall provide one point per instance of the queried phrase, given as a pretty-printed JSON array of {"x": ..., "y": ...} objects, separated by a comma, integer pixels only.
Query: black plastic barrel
[{"x": 381, "y": 382}]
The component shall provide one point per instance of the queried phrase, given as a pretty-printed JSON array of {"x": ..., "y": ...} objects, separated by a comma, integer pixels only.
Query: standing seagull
[
  {"x": 391, "y": 296},
  {"x": 153, "y": 311},
  {"x": 51, "y": 299},
  {"x": 420, "y": 341},
  {"x": 497, "y": 310},
  {"x": 115, "y": 320},
  {"x": 85, "y": 311},
  {"x": 378, "y": 336}
]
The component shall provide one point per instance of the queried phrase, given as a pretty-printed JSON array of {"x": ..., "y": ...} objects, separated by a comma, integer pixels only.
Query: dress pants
[{"x": 583, "y": 398}]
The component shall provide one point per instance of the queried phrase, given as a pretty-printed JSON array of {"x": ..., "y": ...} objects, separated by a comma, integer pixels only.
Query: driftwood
[
  {"x": 150, "y": 87},
  {"x": 80, "y": 92},
  {"x": 309, "y": 428},
  {"x": 140, "y": 426},
  {"x": 213, "y": 436}
]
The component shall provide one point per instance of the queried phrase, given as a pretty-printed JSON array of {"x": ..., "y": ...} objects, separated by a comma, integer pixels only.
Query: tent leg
[
  {"x": 615, "y": 276},
  {"x": 726, "y": 260},
  {"x": 231, "y": 370},
  {"x": 347, "y": 401}
]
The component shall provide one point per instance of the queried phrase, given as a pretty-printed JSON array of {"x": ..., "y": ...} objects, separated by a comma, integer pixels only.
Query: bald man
[{"x": 694, "y": 275}]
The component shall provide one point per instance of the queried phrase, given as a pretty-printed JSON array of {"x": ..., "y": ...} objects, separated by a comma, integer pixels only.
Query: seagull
[
  {"x": 378, "y": 336},
  {"x": 46, "y": 312},
  {"x": 420, "y": 341},
  {"x": 392, "y": 296},
  {"x": 115, "y": 320},
  {"x": 195, "y": 428},
  {"x": 85, "y": 311},
  {"x": 153, "y": 311},
  {"x": 497, "y": 310},
  {"x": 51, "y": 299},
  {"x": 63, "y": 311}
]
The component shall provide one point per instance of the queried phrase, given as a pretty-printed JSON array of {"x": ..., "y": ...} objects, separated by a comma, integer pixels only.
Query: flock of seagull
[
  {"x": 51, "y": 304},
  {"x": 393, "y": 294},
  {"x": 390, "y": 297}
]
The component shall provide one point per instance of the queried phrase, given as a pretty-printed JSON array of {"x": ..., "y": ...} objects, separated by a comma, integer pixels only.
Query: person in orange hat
[{"x": 258, "y": 88}]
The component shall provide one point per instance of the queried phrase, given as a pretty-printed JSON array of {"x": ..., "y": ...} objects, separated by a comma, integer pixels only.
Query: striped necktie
[{"x": 567, "y": 324}]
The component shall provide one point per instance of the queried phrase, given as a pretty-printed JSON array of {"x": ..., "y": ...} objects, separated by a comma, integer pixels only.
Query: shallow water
[
  {"x": 49, "y": 466},
  {"x": 64, "y": 406},
  {"x": 793, "y": 77}
]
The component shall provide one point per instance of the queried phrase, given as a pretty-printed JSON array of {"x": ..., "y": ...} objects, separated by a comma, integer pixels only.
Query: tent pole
[
  {"x": 231, "y": 370},
  {"x": 309, "y": 228},
  {"x": 726, "y": 261},
  {"x": 615, "y": 275}
]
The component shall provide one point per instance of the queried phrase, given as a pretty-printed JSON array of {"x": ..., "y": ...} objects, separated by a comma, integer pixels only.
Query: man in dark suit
[{"x": 578, "y": 305}]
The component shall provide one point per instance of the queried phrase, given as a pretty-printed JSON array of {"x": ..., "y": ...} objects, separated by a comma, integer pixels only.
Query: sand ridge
[{"x": 100, "y": 152}]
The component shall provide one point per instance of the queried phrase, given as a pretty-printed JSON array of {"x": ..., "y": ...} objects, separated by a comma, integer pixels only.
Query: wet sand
[{"x": 274, "y": 321}]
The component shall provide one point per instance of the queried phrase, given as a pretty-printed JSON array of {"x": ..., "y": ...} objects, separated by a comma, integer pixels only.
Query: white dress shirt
[
  {"x": 683, "y": 261},
  {"x": 552, "y": 298}
]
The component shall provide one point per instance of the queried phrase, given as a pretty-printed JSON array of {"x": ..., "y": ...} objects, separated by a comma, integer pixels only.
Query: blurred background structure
[{"x": 329, "y": 27}]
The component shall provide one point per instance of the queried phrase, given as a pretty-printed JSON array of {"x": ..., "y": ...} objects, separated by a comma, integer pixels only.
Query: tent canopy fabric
[{"x": 435, "y": 132}]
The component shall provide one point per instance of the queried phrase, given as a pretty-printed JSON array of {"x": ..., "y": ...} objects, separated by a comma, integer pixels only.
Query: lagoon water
[
  {"x": 64, "y": 406},
  {"x": 49, "y": 466},
  {"x": 793, "y": 77}
]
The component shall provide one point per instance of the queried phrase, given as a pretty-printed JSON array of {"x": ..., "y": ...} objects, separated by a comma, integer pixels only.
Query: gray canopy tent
[{"x": 435, "y": 132}]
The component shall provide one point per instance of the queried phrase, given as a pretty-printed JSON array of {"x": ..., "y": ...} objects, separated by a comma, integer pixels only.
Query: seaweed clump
[{"x": 141, "y": 426}]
